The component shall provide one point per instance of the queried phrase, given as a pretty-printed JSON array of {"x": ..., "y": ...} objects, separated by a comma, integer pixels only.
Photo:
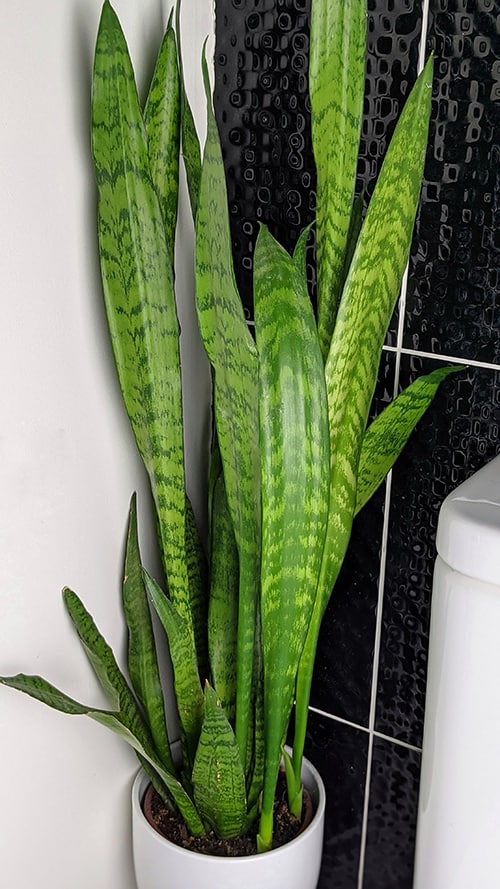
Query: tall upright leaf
[
  {"x": 162, "y": 120},
  {"x": 368, "y": 299},
  {"x": 233, "y": 357},
  {"x": 336, "y": 86},
  {"x": 139, "y": 293},
  {"x": 293, "y": 423},
  {"x": 191, "y": 151}
]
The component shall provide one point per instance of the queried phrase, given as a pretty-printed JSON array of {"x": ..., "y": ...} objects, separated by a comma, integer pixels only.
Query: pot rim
[{"x": 314, "y": 784}]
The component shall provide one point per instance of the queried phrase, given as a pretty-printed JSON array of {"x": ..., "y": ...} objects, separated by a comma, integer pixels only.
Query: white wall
[{"x": 68, "y": 464}]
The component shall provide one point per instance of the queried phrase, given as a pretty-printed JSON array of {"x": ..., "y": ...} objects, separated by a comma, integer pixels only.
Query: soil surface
[{"x": 171, "y": 826}]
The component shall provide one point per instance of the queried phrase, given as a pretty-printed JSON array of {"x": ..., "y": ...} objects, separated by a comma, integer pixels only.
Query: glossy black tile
[
  {"x": 457, "y": 436},
  {"x": 453, "y": 296},
  {"x": 392, "y": 813},
  {"x": 343, "y": 672},
  {"x": 262, "y": 109},
  {"x": 339, "y": 752}
]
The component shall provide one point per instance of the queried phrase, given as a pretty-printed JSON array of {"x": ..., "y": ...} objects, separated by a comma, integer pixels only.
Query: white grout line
[
  {"x": 454, "y": 359},
  {"x": 397, "y": 742},
  {"x": 361, "y": 728},
  {"x": 364, "y": 728},
  {"x": 374, "y": 689}
]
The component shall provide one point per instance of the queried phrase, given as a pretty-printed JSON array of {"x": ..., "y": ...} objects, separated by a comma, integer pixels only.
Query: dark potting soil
[{"x": 171, "y": 826}]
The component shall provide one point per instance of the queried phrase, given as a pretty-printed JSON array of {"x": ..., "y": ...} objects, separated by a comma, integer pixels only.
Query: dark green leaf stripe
[
  {"x": 138, "y": 290},
  {"x": 188, "y": 693},
  {"x": 336, "y": 78},
  {"x": 386, "y": 437},
  {"x": 162, "y": 120},
  {"x": 232, "y": 354},
  {"x": 295, "y": 464},
  {"x": 218, "y": 778},
  {"x": 142, "y": 660}
]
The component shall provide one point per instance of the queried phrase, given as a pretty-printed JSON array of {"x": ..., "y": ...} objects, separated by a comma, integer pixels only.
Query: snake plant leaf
[
  {"x": 294, "y": 441},
  {"x": 232, "y": 354},
  {"x": 103, "y": 662},
  {"x": 387, "y": 435},
  {"x": 191, "y": 150},
  {"x": 218, "y": 777},
  {"x": 368, "y": 299},
  {"x": 139, "y": 293},
  {"x": 223, "y": 601},
  {"x": 188, "y": 693},
  {"x": 197, "y": 567},
  {"x": 367, "y": 304},
  {"x": 336, "y": 79},
  {"x": 162, "y": 121},
  {"x": 119, "y": 722},
  {"x": 141, "y": 650}
]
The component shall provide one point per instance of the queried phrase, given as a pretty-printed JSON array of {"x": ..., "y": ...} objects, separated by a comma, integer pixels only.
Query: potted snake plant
[{"x": 293, "y": 458}]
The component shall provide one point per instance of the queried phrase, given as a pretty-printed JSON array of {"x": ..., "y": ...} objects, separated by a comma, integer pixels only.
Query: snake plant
[{"x": 293, "y": 458}]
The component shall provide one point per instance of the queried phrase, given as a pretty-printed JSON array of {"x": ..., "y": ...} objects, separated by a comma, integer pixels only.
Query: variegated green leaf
[
  {"x": 104, "y": 664},
  {"x": 197, "y": 566},
  {"x": 336, "y": 86},
  {"x": 386, "y": 437},
  {"x": 188, "y": 693},
  {"x": 142, "y": 660},
  {"x": 120, "y": 723},
  {"x": 223, "y": 603},
  {"x": 191, "y": 151},
  {"x": 232, "y": 354},
  {"x": 294, "y": 445},
  {"x": 162, "y": 119},
  {"x": 218, "y": 778},
  {"x": 138, "y": 289},
  {"x": 368, "y": 299}
]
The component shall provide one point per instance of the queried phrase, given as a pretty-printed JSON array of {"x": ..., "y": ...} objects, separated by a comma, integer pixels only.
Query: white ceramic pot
[{"x": 160, "y": 864}]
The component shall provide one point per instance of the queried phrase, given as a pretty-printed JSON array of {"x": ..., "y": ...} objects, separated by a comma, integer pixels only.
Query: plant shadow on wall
[{"x": 292, "y": 458}]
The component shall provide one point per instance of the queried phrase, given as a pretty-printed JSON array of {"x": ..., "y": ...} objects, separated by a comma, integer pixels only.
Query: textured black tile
[
  {"x": 339, "y": 752},
  {"x": 392, "y": 814},
  {"x": 457, "y": 436},
  {"x": 393, "y": 41},
  {"x": 343, "y": 671},
  {"x": 262, "y": 109},
  {"x": 453, "y": 294}
]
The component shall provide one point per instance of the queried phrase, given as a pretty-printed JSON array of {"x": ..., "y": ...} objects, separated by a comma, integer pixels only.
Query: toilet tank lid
[{"x": 468, "y": 535}]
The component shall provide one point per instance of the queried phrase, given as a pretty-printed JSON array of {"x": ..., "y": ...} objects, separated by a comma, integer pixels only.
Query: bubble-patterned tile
[
  {"x": 392, "y": 814},
  {"x": 262, "y": 109},
  {"x": 457, "y": 436},
  {"x": 453, "y": 296},
  {"x": 339, "y": 752}
]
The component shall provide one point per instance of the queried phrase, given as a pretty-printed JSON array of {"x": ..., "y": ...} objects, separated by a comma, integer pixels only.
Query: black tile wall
[
  {"x": 458, "y": 435},
  {"x": 450, "y": 311},
  {"x": 390, "y": 841},
  {"x": 453, "y": 301},
  {"x": 340, "y": 753}
]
